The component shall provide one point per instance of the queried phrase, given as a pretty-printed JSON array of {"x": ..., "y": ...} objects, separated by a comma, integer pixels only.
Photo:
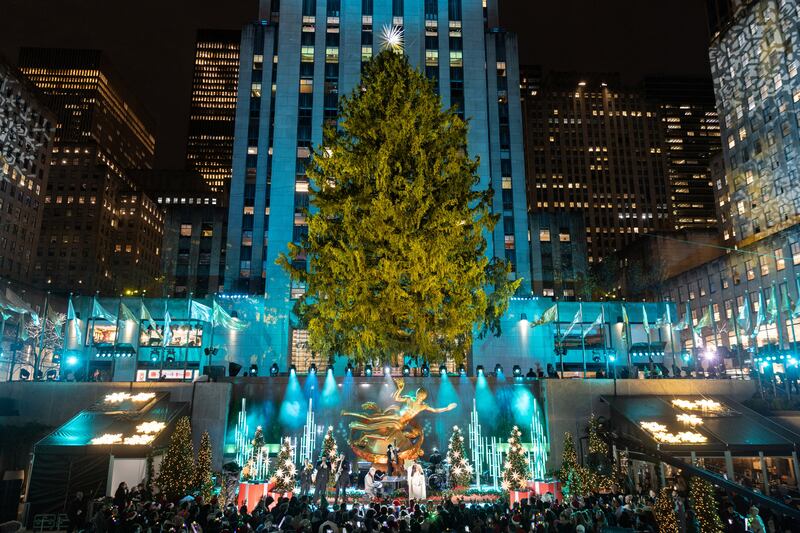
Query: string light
[
  {"x": 697, "y": 405},
  {"x": 108, "y": 438},
  {"x": 119, "y": 397},
  {"x": 690, "y": 420},
  {"x": 660, "y": 433},
  {"x": 150, "y": 427}
]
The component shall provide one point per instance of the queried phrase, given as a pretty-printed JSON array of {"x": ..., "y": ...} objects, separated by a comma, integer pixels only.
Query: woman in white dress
[{"x": 416, "y": 484}]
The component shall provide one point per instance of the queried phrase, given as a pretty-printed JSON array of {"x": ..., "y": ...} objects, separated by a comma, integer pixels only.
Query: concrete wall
[{"x": 569, "y": 403}]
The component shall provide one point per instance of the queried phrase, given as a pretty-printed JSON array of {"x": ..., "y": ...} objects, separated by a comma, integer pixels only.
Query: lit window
[
  {"x": 252, "y": 150},
  {"x": 186, "y": 230},
  {"x": 780, "y": 262},
  {"x": 506, "y": 183},
  {"x": 307, "y": 54},
  {"x": 544, "y": 235},
  {"x": 563, "y": 236},
  {"x": 255, "y": 90}
]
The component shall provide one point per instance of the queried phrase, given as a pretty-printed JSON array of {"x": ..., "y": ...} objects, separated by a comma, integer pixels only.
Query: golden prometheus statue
[{"x": 375, "y": 429}]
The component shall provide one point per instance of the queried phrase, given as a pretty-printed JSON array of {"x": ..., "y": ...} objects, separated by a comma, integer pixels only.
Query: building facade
[
  {"x": 26, "y": 140},
  {"x": 595, "y": 147},
  {"x": 99, "y": 233},
  {"x": 294, "y": 65},
  {"x": 691, "y": 137},
  {"x": 755, "y": 70},
  {"x": 558, "y": 254},
  {"x": 193, "y": 253},
  {"x": 209, "y": 149}
]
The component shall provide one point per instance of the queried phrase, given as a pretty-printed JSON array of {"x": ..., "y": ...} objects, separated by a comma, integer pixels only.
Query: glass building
[{"x": 296, "y": 62}]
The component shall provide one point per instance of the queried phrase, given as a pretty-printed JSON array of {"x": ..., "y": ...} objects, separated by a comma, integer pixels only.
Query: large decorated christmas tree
[
  {"x": 202, "y": 476},
  {"x": 176, "y": 477},
  {"x": 284, "y": 474},
  {"x": 706, "y": 507},
  {"x": 460, "y": 469},
  {"x": 664, "y": 512},
  {"x": 572, "y": 475},
  {"x": 330, "y": 450},
  {"x": 599, "y": 473},
  {"x": 515, "y": 468}
]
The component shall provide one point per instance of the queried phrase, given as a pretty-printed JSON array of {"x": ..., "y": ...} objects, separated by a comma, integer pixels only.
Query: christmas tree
[
  {"x": 331, "y": 451},
  {"x": 703, "y": 500},
  {"x": 598, "y": 475},
  {"x": 397, "y": 205},
  {"x": 176, "y": 476},
  {"x": 283, "y": 478},
  {"x": 460, "y": 469},
  {"x": 515, "y": 468},
  {"x": 202, "y": 475},
  {"x": 664, "y": 511},
  {"x": 258, "y": 462},
  {"x": 572, "y": 475}
]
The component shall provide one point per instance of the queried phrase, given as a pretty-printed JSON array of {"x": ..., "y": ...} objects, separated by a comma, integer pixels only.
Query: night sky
[{"x": 151, "y": 42}]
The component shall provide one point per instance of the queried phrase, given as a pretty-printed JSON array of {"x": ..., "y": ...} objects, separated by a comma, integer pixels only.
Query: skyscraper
[
  {"x": 100, "y": 232},
  {"x": 289, "y": 85},
  {"x": 26, "y": 139},
  {"x": 688, "y": 115},
  {"x": 214, "y": 87},
  {"x": 595, "y": 147},
  {"x": 755, "y": 70}
]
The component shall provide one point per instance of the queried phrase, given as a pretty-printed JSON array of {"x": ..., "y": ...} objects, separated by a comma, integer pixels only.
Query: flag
[
  {"x": 744, "y": 318},
  {"x": 645, "y": 322},
  {"x": 772, "y": 308},
  {"x": 597, "y": 322},
  {"x": 126, "y": 315},
  {"x": 625, "y": 316},
  {"x": 550, "y": 315},
  {"x": 787, "y": 301},
  {"x": 167, "y": 330},
  {"x": 72, "y": 318},
  {"x": 760, "y": 316},
  {"x": 99, "y": 312},
  {"x": 222, "y": 318},
  {"x": 17, "y": 305},
  {"x": 577, "y": 318},
  {"x": 684, "y": 323},
  {"x": 202, "y": 312},
  {"x": 705, "y": 321}
]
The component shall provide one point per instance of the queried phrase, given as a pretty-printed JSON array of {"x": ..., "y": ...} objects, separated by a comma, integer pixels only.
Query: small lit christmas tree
[
  {"x": 599, "y": 474},
  {"x": 202, "y": 476},
  {"x": 515, "y": 468},
  {"x": 572, "y": 475},
  {"x": 283, "y": 478},
  {"x": 664, "y": 511},
  {"x": 176, "y": 476},
  {"x": 329, "y": 448},
  {"x": 703, "y": 500},
  {"x": 258, "y": 463},
  {"x": 460, "y": 469}
]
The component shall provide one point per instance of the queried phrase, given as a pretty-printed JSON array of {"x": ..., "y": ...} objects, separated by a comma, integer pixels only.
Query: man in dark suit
[
  {"x": 391, "y": 461},
  {"x": 323, "y": 475}
]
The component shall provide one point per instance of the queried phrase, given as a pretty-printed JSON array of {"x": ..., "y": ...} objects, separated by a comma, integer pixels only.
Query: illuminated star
[{"x": 392, "y": 38}]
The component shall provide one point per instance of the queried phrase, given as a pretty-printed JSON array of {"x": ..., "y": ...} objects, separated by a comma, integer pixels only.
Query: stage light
[
  {"x": 368, "y": 371},
  {"x": 312, "y": 369},
  {"x": 498, "y": 369},
  {"x": 292, "y": 370},
  {"x": 442, "y": 370},
  {"x": 612, "y": 358},
  {"x": 425, "y": 370},
  {"x": 461, "y": 370},
  {"x": 406, "y": 370},
  {"x": 479, "y": 370},
  {"x": 349, "y": 369},
  {"x": 517, "y": 371},
  {"x": 253, "y": 370},
  {"x": 387, "y": 370},
  {"x": 274, "y": 370},
  {"x": 72, "y": 360}
]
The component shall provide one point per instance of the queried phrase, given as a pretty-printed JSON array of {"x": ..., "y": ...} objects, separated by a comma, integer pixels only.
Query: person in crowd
[
  {"x": 121, "y": 496},
  {"x": 754, "y": 521},
  {"x": 77, "y": 513}
]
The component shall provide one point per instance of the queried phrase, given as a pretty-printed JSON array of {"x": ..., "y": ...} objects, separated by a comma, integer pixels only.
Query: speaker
[
  {"x": 234, "y": 369},
  {"x": 215, "y": 372}
]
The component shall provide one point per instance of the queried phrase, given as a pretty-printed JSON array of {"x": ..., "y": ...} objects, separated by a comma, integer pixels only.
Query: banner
[{"x": 550, "y": 315}]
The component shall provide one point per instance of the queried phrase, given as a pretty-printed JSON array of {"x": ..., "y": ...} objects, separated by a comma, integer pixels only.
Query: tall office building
[
  {"x": 596, "y": 147},
  {"x": 755, "y": 70},
  {"x": 295, "y": 64},
  {"x": 26, "y": 139},
  {"x": 100, "y": 232},
  {"x": 213, "y": 110},
  {"x": 688, "y": 115}
]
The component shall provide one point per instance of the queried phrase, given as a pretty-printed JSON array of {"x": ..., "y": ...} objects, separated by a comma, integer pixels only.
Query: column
[
  {"x": 764, "y": 473},
  {"x": 729, "y": 465},
  {"x": 796, "y": 468}
]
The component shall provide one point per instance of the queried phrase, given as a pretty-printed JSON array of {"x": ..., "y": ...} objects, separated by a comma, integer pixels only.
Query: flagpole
[
  {"x": 715, "y": 329},
  {"x": 735, "y": 319},
  {"x": 560, "y": 342},
  {"x": 116, "y": 340},
  {"x": 649, "y": 344},
  {"x": 211, "y": 340},
  {"x": 603, "y": 334},
  {"x": 779, "y": 327},
  {"x": 671, "y": 335},
  {"x": 189, "y": 322},
  {"x": 42, "y": 333},
  {"x": 583, "y": 340},
  {"x": 165, "y": 340},
  {"x": 90, "y": 336}
]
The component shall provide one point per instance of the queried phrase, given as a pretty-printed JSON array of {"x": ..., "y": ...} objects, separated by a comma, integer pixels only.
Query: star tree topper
[{"x": 392, "y": 38}]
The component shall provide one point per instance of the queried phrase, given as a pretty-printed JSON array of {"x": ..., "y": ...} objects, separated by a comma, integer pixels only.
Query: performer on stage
[
  {"x": 306, "y": 473},
  {"x": 342, "y": 479},
  {"x": 392, "y": 461},
  {"x": 373, "y": 486},
  {"x": 323, "y": 475},
  {"x": 416, "y": 483}
]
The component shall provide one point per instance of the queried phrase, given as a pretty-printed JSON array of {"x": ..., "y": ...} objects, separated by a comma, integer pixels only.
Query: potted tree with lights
[{"x": 515, "y": 469}]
